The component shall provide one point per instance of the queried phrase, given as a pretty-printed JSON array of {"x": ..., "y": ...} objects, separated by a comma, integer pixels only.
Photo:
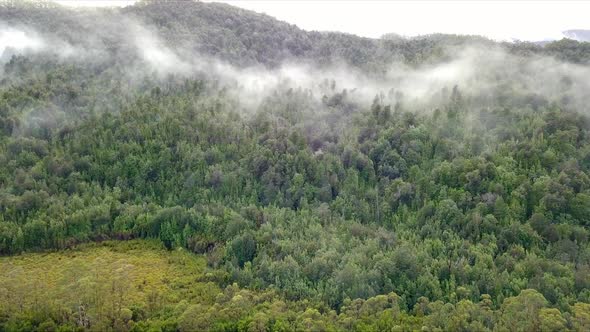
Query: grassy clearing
[{"x": 102, "y": 285}]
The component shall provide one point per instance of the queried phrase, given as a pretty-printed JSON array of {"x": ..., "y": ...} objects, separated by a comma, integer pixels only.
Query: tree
[
  {"x": 243, "y": 248},
  {"x": 580, "y": 208},
  {"x": 581, "y": 319},
  {"x": 522, "y": 312},
  {"x": 550, "y": 319}
]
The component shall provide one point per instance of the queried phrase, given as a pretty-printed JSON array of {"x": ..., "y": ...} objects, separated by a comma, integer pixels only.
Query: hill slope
[{"x": 247, "y": 38}]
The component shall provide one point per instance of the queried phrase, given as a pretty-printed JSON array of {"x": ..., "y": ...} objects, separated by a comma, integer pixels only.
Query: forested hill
[
  {"x": 245, "y": 38},
  {"x": 309, "y": 180},
  {"x": 239, "y": 36}
]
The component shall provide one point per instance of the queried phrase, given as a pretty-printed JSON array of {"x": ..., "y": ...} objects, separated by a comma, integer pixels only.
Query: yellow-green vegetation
[
  {"x": 100, "y": 285},
  {"x": 138, "y": 285}
]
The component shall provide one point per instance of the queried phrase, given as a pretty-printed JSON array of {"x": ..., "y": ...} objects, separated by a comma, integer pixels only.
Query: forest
[{"x": 188, "y": 166}]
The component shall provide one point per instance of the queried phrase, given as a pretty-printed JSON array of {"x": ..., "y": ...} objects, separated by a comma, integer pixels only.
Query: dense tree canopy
[{"x": 313, "y": 212}]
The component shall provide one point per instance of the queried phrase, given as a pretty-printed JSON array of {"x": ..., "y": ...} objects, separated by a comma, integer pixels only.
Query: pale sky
[{"x": 500, "y": 20}]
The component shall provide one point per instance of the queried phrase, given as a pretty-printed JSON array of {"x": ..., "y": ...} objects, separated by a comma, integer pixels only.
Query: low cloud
[
  {"x": 19, "y": 40},
  {"x": 481, "y": 73}
]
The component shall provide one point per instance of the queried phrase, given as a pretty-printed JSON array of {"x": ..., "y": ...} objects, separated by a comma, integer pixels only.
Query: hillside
[
  {"x": 283, "y": 179},
  {"x": 246, "y": 38}
]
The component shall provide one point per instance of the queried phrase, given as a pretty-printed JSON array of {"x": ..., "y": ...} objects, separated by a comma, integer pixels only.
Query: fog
[
  {"x": 19, "y": 41},
  {"x": 23, "y": 40},
  {"x": 479, "y": 72}
]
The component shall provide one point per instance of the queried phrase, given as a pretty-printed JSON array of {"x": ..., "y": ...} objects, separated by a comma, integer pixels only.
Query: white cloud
[
  {"x": 155, "y": 53},
  {"x": 19, "y": 40}
]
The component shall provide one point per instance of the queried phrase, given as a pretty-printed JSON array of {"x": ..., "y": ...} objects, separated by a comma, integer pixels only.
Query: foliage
[{"x": 309, "y": 212}]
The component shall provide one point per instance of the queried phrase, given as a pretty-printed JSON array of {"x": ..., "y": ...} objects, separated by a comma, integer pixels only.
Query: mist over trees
[{"x": 327, "y": 181}]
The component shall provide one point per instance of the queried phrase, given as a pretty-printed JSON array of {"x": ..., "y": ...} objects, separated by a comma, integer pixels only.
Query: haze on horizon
[{"x": 520, "y": 20}]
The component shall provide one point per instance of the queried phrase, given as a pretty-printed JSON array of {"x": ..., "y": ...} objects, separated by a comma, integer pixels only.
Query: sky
[{"x": 499, "y": 20}]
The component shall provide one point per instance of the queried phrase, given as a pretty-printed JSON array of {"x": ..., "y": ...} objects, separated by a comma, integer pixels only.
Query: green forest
[{"x": 160, "y": 177}]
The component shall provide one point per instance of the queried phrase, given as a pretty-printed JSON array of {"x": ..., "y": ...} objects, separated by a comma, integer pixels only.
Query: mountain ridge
[{"x": 248, "y": 38}]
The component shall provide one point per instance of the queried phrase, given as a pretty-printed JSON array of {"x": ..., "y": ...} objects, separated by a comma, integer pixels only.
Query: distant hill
[
  {"x": 245, "y": 38},
  {"x": 579, "y": 35}
]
